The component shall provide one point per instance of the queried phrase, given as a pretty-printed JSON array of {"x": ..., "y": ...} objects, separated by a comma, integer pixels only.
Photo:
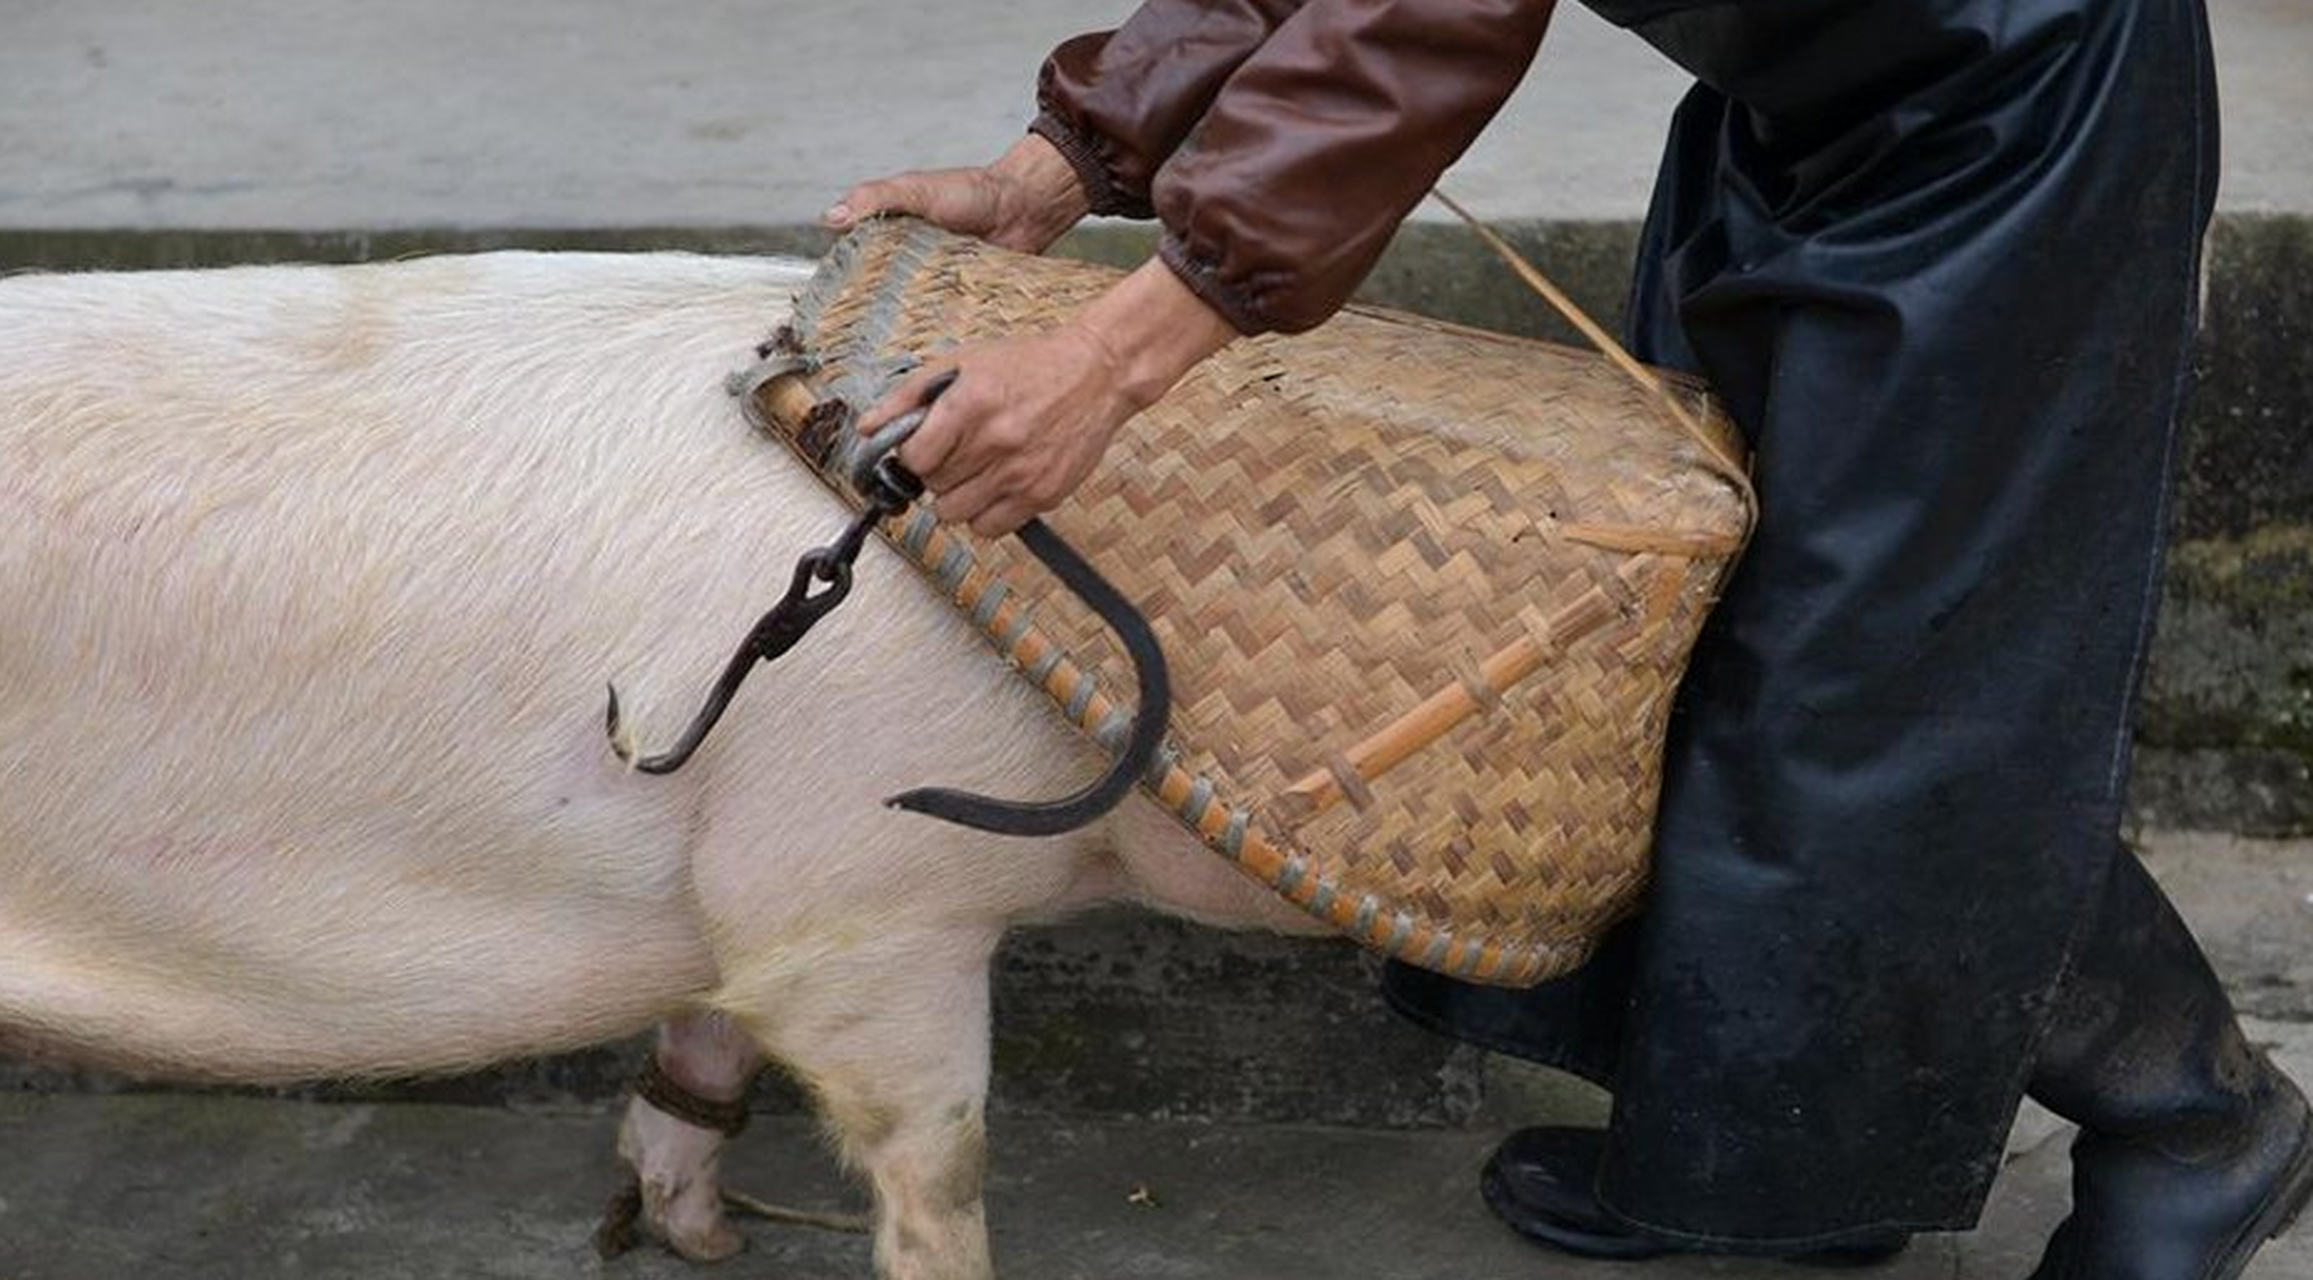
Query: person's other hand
[
  {"x": 1024, "y": 201},
  {"x": 1029, "y": 416}
]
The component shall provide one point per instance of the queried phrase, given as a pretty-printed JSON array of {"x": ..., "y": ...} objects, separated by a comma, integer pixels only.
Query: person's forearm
[
  {"x": 1044, "y": 195},
  {"x": 1154, "y": 329}
]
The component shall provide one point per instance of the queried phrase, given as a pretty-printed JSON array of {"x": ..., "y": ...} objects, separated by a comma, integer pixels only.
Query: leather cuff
[
  {"x": 1084, "y": 154},
  {"x": 1203, "y": 277}
]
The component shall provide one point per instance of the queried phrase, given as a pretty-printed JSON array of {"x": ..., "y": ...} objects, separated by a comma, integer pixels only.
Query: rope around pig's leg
[
  {"x": 621, "y": 1231},
  {"x": 855, "y": 1223}
]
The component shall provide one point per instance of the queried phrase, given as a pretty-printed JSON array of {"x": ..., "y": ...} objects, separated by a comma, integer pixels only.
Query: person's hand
[
  {"x": 1024, "y": 201},
  {"x": 1026, "y": 421},
  {"x": 1030, "y": 416}
]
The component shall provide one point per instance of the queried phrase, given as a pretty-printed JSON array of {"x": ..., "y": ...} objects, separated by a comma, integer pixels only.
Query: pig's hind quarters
[{"x": 890, "y": 1034}]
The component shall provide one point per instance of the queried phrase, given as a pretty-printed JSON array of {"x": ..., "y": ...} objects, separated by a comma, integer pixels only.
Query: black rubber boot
[
  {"x": 2194, "y": 1149},
  {"x": 1539, "y": 1181}
]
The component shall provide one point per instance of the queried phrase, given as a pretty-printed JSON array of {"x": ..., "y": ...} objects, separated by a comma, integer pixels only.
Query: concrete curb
[{"x": 2227, "y": 741}]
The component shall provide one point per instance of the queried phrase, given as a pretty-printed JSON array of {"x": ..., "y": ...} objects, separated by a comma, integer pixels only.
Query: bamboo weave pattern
[{"x": 1425, "y": 591}]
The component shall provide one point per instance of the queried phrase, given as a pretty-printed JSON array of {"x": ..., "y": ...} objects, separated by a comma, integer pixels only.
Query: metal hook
[
  {"x": 773, "y": 634},
  {"x": 1150, "y": 716},
  {"x": 889, "y": 488}
]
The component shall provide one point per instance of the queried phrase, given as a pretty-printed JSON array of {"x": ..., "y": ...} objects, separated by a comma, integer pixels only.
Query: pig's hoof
[
  {"x": 688, "y": 1216},
  {"x": 718, "y": 1243},
  {"x": 625, "y": 1224},
  {"x": 619, "y": 1232}
]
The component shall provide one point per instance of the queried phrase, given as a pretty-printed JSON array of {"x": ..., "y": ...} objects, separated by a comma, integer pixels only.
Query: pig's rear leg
[
  {"x": 891, "y": 1036},
  {"x": 692, "y": 1097}
]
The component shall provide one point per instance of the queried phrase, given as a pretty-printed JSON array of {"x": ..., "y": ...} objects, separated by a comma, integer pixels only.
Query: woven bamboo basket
[{"x": 1425, "y": 592}]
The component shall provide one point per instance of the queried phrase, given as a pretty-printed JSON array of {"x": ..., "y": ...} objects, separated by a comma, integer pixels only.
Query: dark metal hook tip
[
  {"x": 1006, "y": 817},
  {"x": 665, "y": 762},
  {"x": 610, "y": 724}
]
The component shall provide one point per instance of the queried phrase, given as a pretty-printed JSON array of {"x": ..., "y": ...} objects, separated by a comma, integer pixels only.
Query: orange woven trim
[{"x": 1229, "y": 828}]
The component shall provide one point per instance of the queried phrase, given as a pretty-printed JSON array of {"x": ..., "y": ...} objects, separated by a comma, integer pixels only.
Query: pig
[{"x": 313, "y": 579}]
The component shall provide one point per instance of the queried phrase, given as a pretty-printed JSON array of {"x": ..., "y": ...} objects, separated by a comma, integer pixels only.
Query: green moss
[
  {"x": 2234, "y": 666},
  {"x": 2269, "y": 571}
]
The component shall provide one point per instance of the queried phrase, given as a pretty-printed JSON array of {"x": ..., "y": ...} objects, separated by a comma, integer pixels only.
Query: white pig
[{"x": 310, "y": 583}]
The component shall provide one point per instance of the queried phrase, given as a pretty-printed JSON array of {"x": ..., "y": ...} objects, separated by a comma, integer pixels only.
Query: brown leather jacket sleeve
[
  {"x": 1117, "y": 103},
  {"x": 1288, "y": 188}
]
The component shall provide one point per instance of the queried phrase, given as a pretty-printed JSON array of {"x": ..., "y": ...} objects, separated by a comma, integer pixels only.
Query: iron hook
[{"x": 889, "y": 488}]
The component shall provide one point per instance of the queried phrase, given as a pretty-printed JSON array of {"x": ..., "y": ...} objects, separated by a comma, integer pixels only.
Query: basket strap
[{"x": 1728, "y": 466}]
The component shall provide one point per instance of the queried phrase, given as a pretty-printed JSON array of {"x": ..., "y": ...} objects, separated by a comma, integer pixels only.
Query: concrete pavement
[
  {"x": 98, "y": 1185},
  {"x": 166, "y": 1187},
  {"x": 607, "y": 113}
]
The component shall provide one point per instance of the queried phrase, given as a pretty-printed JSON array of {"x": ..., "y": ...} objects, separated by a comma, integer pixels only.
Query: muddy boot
[{"x": 2194, "y": 1149}]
